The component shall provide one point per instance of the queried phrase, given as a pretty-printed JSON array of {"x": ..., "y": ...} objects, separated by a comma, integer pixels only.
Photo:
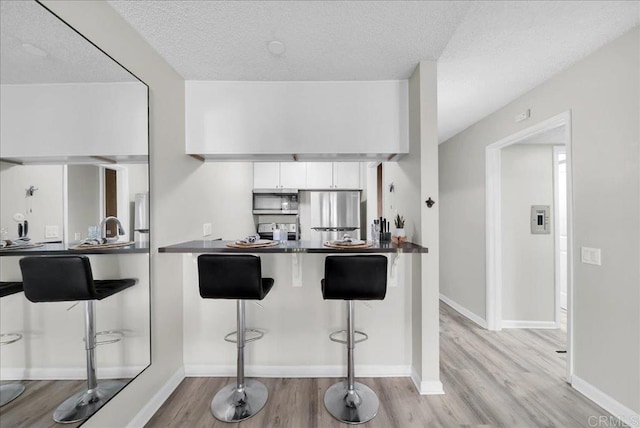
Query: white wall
[
  {"x": 528, "y": 277},
  {"x": 602, "y": 93},
  {"x": 42, "y": 209},
  {"x": 415, "y": 178},
  {"x": 73, "y": 119}
]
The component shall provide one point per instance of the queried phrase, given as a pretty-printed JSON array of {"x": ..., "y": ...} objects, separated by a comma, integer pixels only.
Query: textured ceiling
[
  {"x": 324, "y": 40},
  {"x": 70, "y": 58},
  {"x": 503, "y": 49},
  {"x": 488, "y": 52}
]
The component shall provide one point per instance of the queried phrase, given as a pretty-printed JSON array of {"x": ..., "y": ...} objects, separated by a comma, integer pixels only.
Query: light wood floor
[
  {"x": 512, "y": 378},
  {"x": 35, "y": 407}
]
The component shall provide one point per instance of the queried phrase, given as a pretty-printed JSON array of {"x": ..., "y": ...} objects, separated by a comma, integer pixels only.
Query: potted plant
[{"x": 399, "y": 223}]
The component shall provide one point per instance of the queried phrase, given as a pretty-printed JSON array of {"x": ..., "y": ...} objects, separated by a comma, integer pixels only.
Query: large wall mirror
[{"x": 73, "y": 153}]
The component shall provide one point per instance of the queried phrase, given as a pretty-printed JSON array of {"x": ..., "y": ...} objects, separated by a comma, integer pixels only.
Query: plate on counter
[
  {"x": 260, "y": 243},
  {"x": 356, "y": 243}
]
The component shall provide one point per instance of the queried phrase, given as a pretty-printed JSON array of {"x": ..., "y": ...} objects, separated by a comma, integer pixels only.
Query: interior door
[
  {"x": 111, "y": 200},
  {"x": 562, "y": 235}
]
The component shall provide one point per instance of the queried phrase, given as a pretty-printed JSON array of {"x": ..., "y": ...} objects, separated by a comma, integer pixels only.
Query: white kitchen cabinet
[
  {"x": 266, "y": 175},
  {"x": 306, "y": 175},
  {"x": 293, "y": 175},
  {"x": 319, "y": 175},
  {"x": 346, "y": 175}
]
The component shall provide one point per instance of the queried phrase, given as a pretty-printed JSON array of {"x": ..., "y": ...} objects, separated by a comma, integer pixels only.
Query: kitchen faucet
[{"x": 103, "y": 229}]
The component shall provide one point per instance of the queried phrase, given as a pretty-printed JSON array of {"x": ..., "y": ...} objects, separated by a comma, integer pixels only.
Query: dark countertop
[
  {"x": 60, "y": 249},
  {"x": 201, "y": 246}
]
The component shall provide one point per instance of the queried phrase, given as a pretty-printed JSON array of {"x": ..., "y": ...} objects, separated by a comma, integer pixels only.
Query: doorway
[
  {"x": 115, "y": 198},
  {"x": 560, "y": 126}
]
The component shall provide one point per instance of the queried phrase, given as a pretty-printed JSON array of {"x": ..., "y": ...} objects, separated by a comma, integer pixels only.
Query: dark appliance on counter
[{"x": 275, "y": 201}]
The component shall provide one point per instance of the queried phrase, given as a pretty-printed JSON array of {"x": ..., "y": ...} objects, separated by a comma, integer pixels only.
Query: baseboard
[
  {"x": 529, "y": 324},
  {"x": 464, "y": 311},
  {"x": 68, "y": 373},
  {"x": 426, "y": 387},
  {"x": 152, "y": 406},
  {"x": 296, "y": 371},
  {"x": 611, "y": 405}
]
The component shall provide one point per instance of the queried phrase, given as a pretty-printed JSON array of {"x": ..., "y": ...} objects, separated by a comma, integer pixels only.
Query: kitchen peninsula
[
  {"x": 296, "y": 319},
  {"x": 56, "y": 249},
  {"x": 218, "y": 246}
]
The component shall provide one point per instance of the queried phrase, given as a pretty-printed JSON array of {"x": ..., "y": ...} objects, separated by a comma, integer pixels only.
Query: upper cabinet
[
  {"x": 304, "y": 121},
  {"x": 346, "y": 175},
  {"x": 319, "y": 175},
  {"x": 306, "y": 175},
  {"x": 279, "y": 175},
  {"x": 293, "y": 175}
]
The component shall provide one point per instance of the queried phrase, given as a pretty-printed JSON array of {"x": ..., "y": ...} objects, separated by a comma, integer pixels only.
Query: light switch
[
  {"x": 51, "y": 232},
  {"x": 206, "y": 229},
  {"x": 590, "y": 256}
]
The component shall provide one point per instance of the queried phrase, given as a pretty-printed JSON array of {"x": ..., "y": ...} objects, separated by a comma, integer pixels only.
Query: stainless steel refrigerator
[{"x": 334, "y": 213}]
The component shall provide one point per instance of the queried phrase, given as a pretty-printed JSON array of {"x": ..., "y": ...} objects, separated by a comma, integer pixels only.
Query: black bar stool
[
  {"x": 10, "y": 391},
  {"x": 353, "y": 278},
  {"x": 236, "y": 277},
  {"x": 69, "y": 279}
]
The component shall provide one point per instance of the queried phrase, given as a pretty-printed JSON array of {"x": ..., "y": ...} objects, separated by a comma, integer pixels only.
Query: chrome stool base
[
  {"x": 10, "y": 392},
  {"x": 83, "y": 404},
  {"x": 357, "y": 407},
  {"x": 233, "y": 405}
]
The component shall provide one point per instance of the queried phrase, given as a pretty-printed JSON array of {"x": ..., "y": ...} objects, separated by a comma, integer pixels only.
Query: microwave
[{"x": 275, "y": 201}]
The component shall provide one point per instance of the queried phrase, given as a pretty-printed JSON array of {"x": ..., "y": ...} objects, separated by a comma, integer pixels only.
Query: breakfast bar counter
[
  {"x": 53, "y": 249},
  {"x": 218, "y": 246}
]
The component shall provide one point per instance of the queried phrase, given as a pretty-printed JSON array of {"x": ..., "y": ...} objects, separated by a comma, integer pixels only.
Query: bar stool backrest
[
  {"x": 230, "y": 277},
  {"x": 57, "y": 278},
  {"x": 355, "y": 277}
]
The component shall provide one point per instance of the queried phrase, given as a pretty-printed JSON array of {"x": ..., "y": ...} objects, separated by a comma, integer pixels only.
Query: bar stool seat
[
  {"x": 70, "y": 279},
  {"x": 9, "y": 288},
  {"x": 236, "y": 277},
  {"x": 10, "y": 391},
  {"x": 353, "y": 278}
]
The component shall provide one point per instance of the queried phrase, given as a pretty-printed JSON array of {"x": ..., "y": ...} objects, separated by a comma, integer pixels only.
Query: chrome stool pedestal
[
  {"x": 10, "y": 391},
  {"x": 237, "y": 277},
  {"x": 243, "y": 398},
  {"x": 70, "y": 279},
  {"x": 350, "y": 278},
  {"x": 83, "y": 404},
  {"x": 349, "y": 401}
]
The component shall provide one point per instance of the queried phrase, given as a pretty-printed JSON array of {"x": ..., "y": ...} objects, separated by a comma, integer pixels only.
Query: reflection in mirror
[{"x": 73, "y": 152}]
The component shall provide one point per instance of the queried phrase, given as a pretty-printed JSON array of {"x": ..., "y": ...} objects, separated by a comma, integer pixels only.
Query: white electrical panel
[{"x": 540, "y": 220}]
